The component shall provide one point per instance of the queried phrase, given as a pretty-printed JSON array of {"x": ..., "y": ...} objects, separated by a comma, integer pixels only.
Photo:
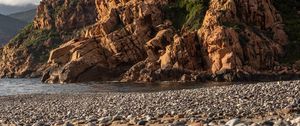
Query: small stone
[
  {"x": 133, "y": 121},
  {"x": 240, "y": 124},
  {"x": 117, "y": 117},
  {"x": 196, "y": 124},
  {"x": 129, "y": 117},
  {"x": 173, "y": 113},
  {"x": 68, "y": 124},
  {"x": 38, "y": 124},
  {"x": 254, "y": 124},
  {"x": 92, "y": 119},
  {"x": 142, "y": 122},
  {"x": 233, "y": 122},
  {"x": 178, "y": 116},
  {"x": 81, "y": 122},
  {"x": 105, "y": 119},
  {"x": 268, "y": 123},
  {"x": 296, "y": 120},
  {"x": 179, "y": 123},
  {"x": 281, "y": 122},
  {"x": 160, "y": 114},
  {"x": 148, "y": 118},
  {"x": 91, "y": 124},
  {"x": 59, "y": 122},
  {"x": 212, "y": 123}
]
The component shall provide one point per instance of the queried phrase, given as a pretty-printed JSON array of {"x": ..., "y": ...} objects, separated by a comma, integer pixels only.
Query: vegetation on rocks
[
  {"x": 187, "y": 14},
  {"x": 289, "y": 10},
  {"x": 36, "y": 41}
]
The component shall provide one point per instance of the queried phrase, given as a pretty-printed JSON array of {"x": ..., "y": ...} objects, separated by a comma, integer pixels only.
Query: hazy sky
[{"x": 18, "y": 2}]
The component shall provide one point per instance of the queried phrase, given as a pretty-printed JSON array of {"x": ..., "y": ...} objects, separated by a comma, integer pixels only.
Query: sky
[{"x": 18, "y": 2}]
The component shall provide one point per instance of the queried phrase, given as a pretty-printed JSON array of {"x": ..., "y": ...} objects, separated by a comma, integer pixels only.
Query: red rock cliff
[
  {"x": 136, "y": 40},
  {"x": 235, "y": 35},
  {"x": 56, "y": 21}
]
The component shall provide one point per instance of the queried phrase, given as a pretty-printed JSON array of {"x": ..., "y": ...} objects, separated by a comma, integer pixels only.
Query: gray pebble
[
  {"x": 233, "y": 122},
  {"x": 142, "y": 122}
]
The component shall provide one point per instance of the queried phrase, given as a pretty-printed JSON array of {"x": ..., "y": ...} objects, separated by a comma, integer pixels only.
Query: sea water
[{"x": 35, "y": 86}]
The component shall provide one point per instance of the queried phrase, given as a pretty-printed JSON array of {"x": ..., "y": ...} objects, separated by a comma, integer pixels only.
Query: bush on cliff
[
  {"x": 35, "y": 40},
  {"x": 187, "y": 14}
]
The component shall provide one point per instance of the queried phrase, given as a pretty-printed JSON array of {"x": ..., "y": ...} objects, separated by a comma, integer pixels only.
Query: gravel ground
[{"x": 265, "y": 103}]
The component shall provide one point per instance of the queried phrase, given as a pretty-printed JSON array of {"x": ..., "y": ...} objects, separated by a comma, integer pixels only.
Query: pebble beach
[{"x": 263, "y": 103}]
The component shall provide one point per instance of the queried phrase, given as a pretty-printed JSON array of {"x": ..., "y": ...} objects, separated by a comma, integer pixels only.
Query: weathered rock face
[
  {"x": 56, "y": 21},
  {"x": 136, "y": 40},
  {"x": 65, "y": 15},
  {"x": 170, "y": 57},
  {"x": 115, "y": 42},
  {"x": 237, "y": 33}
]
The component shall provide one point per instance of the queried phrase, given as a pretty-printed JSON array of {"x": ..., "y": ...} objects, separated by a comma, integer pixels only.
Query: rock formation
[
  {"x": 113, "y": 44},
  {"x": 136, "y": 40},
  {"x": 242, "y": 34},
  {"x": 56, "y": 21}
]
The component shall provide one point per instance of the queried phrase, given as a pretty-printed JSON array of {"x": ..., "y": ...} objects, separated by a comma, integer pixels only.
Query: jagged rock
[
  {"x": 136, "y": 40},
  {"x": 114, "y": 42},
  {"x": 178, "y": 57},
  {"x": 238, "y": 33},
  {"x": 56, "y": 21},
  {"x": 65, "y": 15},
  {"x": 234, "y": 34}
]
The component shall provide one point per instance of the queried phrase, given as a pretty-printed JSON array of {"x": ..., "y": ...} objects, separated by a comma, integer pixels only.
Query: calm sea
[{"x": 34, "y": 86}]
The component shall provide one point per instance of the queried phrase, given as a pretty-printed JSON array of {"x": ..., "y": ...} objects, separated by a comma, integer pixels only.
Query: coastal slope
[{"x": 147, "y": 41}]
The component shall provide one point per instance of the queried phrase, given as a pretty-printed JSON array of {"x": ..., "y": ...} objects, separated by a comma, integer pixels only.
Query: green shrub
[
  {"x": 23, "y": 34},
  {"x": 33, "y": 39},
  {"x": 188, "y": 14}
]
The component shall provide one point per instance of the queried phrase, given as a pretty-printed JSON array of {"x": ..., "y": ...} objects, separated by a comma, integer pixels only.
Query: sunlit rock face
[
  {"x": 242, "y": 34},
  {"x": 56, "y": 21},
  {"x": 145, "y": 41}
]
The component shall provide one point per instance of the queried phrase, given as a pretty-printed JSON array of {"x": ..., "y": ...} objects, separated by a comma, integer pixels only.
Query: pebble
[
  {"x": 240, "y": 124},
  {"x": 142, "y": 122},
  {"x": 117, "y": 117},
  {"x": 133, "y": 121},
  {"x": 212, "y": 123},
  {"x": 38, "y": 124},
  {"x": 233, "y": 122},
  {"x": 268, "y": 123},
  {"x": 105, "y": 119},
  {"x": 281, "y": 122},
  {"x": 91, "y": 124},
  {"x": 296, "y": 120},
  {"x": 68, "y": 124},
  {"x": 175, "y": 107},
  {"x": 179, "y": 123}
]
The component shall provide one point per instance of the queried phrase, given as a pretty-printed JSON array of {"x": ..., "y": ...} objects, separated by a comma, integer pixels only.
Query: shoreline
[{"x": 253, "y": 103}]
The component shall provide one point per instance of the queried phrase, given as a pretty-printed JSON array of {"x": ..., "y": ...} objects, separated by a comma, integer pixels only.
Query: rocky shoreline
[
  {"x": 146, "y": 41},
  {"x": 264, "y": 103}
]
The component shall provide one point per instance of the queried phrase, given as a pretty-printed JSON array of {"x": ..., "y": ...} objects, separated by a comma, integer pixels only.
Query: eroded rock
[{"x": 134, "y": 40}]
